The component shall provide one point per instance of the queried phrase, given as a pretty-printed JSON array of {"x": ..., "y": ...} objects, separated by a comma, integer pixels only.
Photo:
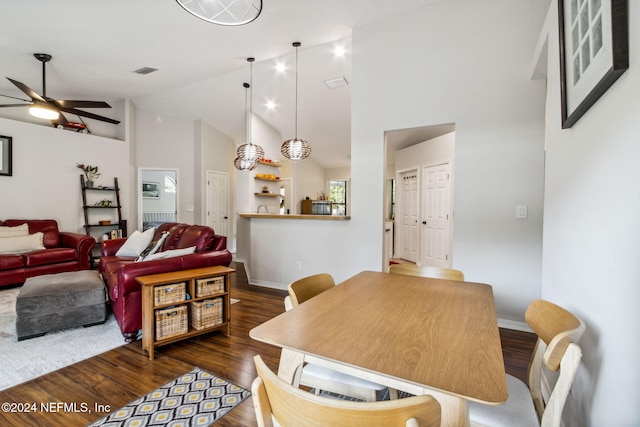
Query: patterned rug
[{"x": 196, "y": 398}]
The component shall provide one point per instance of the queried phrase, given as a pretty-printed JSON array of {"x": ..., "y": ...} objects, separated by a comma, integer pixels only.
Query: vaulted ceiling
[{"x": 97, "y": 46}]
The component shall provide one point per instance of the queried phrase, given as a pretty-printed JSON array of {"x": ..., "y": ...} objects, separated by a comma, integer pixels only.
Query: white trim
[{"x": 512, "y": 324}]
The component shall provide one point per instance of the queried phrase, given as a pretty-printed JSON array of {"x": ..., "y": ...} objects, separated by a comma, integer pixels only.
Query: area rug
[
  {"x": 196, "y": 398},
  {"x": 24, "y": 360}
]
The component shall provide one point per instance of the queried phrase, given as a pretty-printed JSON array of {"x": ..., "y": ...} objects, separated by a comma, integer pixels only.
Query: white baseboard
[{"x": 512, "y": 324}]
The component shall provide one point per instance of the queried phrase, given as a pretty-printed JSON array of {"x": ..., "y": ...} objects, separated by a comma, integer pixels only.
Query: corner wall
[{"x": 591, "y": 246}]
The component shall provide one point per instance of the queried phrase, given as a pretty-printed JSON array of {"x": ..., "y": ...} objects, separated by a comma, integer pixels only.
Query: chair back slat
[
  {"x": 291, "y": 406},
  {"x": 556, "y": 327},
  {"x": 308, "y": 287}
]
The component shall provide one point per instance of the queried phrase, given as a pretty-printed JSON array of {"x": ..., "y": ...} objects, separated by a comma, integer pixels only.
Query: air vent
[
  {"x": 337, "y": 82},
  {"x": 145, "y": 70}
]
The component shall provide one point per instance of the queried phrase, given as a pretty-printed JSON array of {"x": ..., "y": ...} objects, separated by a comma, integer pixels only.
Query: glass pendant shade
[
  {"x": 223, "y": 12},
  {"x": 43, "y": 112},
  {"x": 296, "y": 148}
]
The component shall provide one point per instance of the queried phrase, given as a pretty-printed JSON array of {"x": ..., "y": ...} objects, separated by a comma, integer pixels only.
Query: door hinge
[{"x": 446, "y": 257}]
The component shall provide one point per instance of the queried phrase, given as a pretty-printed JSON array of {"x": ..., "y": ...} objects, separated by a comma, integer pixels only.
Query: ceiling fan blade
[
  {"x": 89, "y": 115},
  {"x": 14, "y": 105},
  {"x": 62, "y": 120},
  {"x": 65, "y": 103},
  {"x": 15, "y": 97},
  {"x": 26, "y": 89}
]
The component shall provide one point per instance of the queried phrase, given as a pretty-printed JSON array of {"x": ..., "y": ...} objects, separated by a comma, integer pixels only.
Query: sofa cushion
[
  {"x": 48, "y": 227},
  {"x": 136, "y": 243},
  {"x": 199, "y": 236},
  {"x": 49, "y": 256},
  {"x": 21, "y": 244},
  {"x": 18, "y": 230},
  {"x": 173, "y": 253},
  {"x": 174, "y": 236},
  {"x": 9, "y": 262}
]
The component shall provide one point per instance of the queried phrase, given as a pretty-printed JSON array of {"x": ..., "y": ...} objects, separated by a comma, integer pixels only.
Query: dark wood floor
[{"x": 115, "y": 378}]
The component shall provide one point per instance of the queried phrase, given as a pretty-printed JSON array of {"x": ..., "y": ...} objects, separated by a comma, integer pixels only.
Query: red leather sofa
[
  {"x": 119, "y": 273},
  {"x": 64, "y": 251}
]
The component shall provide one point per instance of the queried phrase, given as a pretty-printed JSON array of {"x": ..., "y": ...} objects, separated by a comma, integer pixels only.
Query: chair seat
[
  {"x": 518, "y": 410},
  {"x": 326, "y": 374}
]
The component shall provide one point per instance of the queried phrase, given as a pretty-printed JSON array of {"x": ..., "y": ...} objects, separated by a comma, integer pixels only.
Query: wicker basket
[
  {"x": 209, "y": 286},
  {"x": 207, "y": 313},
  {"x": 167, "y": 294},
  {"x": 171, "y": 322}
]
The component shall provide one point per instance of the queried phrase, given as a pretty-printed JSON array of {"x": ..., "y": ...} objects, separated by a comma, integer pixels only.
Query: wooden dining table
[{"x": 415, "y": 334}]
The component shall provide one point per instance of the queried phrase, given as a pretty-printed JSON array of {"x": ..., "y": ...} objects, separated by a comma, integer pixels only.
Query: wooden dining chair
[
  {"x": 558, "y": 331},
  {"x": 320, "y": 378},
  {"x": 276, "y": 400},
  {"x": 426, "y": 271}
]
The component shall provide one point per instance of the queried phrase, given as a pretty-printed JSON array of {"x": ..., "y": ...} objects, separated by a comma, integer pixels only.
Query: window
[{"x": 338, "y": 197}]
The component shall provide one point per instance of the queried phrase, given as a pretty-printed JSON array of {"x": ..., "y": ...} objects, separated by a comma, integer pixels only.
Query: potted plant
[{"x": 90, "y": 172}]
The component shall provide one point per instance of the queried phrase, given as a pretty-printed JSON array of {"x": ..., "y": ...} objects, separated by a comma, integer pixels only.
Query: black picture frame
[
  {"x": 586, "y": 73},
  {"x": 6, "y": 155}
]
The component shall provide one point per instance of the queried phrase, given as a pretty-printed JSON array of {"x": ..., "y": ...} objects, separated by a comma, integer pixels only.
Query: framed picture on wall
[
  {"x": 6, "y": 155},
  {"x": 594, "y": 52},
  {"x": 150, "y": 190}
]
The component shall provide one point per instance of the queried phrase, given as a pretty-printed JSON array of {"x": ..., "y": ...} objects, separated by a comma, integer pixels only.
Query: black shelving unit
[{"x": 117, "y": 227}]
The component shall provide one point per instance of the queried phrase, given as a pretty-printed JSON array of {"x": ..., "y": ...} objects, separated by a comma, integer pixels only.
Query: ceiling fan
[{"x": 48, "y": 108}]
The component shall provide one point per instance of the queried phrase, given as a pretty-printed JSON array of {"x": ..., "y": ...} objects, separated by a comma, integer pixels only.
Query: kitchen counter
[{"x": 278, "y": 216}]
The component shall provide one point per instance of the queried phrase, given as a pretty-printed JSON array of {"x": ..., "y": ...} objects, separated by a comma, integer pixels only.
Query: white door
[
  {"x": 218, "y": 202},
  {"x": 436, "y": 216},
  {"x": 409, "y": 209}
]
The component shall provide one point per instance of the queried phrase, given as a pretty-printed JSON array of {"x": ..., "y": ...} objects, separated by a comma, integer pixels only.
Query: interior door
[
  {"x": 409, "y": 201},
  {"x": 436, "y": 216},
  {"x": 218, "y": 202}
]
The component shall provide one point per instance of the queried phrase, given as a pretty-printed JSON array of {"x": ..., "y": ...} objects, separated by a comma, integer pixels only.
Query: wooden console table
[{"x": 173, "y": 303}]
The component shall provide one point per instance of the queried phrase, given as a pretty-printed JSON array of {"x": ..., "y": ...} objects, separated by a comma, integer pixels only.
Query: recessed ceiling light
[
  {"x": 281, "y": 67},
  {"x": 271, "y": 105},
  {"x": 335, "y": 83},
  {"x": 339, "y": 51}
]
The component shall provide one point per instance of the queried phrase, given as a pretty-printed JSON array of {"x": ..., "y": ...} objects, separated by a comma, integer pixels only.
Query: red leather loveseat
[
  {"x": 119, "y": 273},
  {"x": 63, "y": 251}
]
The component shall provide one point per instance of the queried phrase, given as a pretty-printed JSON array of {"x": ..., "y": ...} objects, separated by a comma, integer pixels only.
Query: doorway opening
[{"x": 419, "y": 197}]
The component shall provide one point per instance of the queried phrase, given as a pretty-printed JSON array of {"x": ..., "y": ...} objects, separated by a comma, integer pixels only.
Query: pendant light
[
  {"x": 223, "y": 12},
  {"x": 296, "y": 148},
  {"x": 248, "y": 154}
]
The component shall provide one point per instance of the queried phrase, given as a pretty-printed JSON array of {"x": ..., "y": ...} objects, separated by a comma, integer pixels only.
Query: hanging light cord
[
  {"x": 297, "y": 45},
  {"x": 250, "y": 99}
]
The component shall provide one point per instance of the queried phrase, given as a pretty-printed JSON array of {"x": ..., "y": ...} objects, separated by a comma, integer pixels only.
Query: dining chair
[
  {"x": 558, "y": 331},
  {"x": 320, "y": 378},
  {"x": 278, "y": 403},
  {"x": 426, "y": 271}
]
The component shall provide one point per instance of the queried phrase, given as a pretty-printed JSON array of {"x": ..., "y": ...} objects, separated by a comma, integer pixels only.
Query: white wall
[
  {"x": 165, "y": 142},
  {"x": 592, "y": 237},
  {"x": 451, "y": 62},
  {"x": 45, "y": 182}
]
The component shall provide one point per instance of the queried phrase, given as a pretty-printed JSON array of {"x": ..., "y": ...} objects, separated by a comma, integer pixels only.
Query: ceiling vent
[
  {"x": 335, "y": 83},
  {"x": 145, "y": 70}
]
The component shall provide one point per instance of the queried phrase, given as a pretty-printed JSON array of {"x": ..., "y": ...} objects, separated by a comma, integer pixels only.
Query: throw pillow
[
  {"x": 153, "y": 247},
  {"x": 19, "y": 230},
  {"x": 21, "y": 244},
  {"x": 171, "y": 253},
  {"x": 136, "y": 243}
]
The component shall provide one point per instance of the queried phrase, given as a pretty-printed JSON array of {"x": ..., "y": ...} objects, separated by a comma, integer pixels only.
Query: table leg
[
  {"x": 290, "y": 368},
  {"x": 455, "y": 411}
]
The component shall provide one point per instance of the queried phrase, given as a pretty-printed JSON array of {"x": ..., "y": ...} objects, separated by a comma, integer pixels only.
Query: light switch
[{"x": 521, "y": 212}]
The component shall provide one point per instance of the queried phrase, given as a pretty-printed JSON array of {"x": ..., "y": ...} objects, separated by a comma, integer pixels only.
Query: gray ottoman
[{"x": 60, "y": 301}]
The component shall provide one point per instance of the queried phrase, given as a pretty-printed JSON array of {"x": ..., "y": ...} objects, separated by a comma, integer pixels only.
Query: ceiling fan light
[
  {"x": 244, "y": 165},
  {"x": 223, "y": 12},
  {"x": 296, "y": 149},
  {"x": 43, "y": 112}
]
